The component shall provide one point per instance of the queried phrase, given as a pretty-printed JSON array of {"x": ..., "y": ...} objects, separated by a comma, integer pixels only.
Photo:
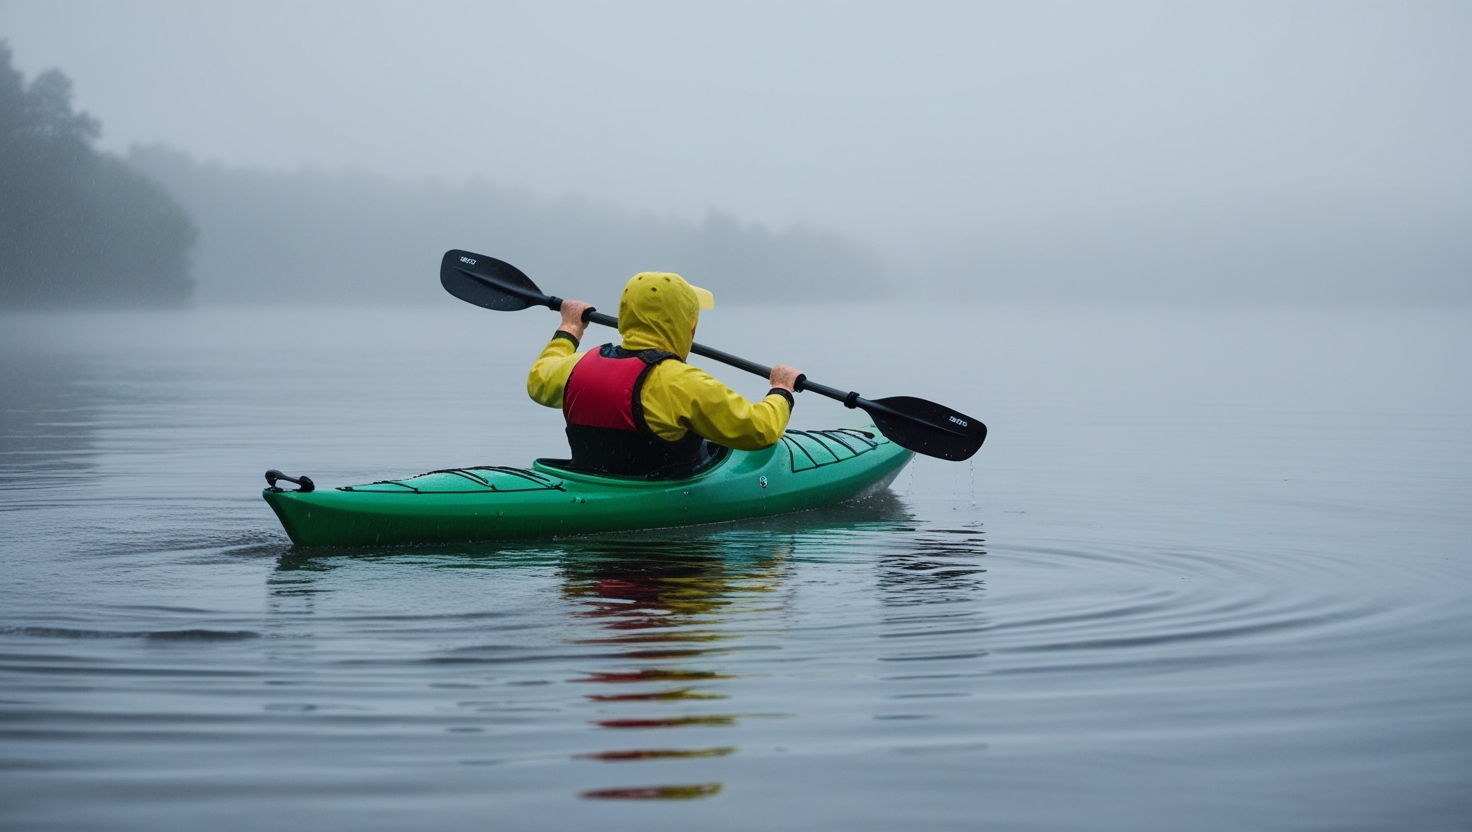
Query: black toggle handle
[{"x": 304, "y": 484}]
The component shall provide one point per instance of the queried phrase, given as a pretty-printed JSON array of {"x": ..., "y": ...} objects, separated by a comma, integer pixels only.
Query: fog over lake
[
  {"x": 1209, "y": 571},
  {"x": 1203, "y": 270},
  {"x": 1236, "y": 152}
]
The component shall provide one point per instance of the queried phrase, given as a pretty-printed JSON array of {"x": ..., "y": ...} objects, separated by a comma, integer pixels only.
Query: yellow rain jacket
[{"x": 659, "y": 311}]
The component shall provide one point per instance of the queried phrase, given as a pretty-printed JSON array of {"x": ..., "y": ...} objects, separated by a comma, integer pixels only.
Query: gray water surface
[{"x": 1210, "y": 571}]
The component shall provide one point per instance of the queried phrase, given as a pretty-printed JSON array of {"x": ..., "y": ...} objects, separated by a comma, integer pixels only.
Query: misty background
[
  {"x": 1202, "y": 268},
  {"x": 1242, "y": 153}
]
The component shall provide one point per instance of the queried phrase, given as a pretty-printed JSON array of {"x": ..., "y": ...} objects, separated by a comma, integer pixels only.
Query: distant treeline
[
  {"x": 78, "y": 227},
  {"x": 331, "y": 237}
]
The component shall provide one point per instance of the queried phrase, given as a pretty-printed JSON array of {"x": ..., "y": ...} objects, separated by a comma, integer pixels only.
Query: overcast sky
[{"x": 904, "y": 125}]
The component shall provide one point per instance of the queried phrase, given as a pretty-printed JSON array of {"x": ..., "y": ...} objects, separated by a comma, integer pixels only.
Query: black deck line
[
  {"x": 461, "y": 472},
  {"x": 833, "y": 434},
  {"x": 792, "y": 458},
  {"x": 380, "y": 482},
  {"x": 818, "y": 436},
  {"x": 539, "y": 479}
]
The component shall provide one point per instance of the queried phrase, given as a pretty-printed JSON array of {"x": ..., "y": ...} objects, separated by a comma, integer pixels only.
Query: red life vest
[
  {"x": 605, "y": 417},
  {"x": 603, "y": 390}
]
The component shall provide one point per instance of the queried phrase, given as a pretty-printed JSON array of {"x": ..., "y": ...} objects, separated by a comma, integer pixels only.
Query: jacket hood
[{"x": 659, "y": 310}]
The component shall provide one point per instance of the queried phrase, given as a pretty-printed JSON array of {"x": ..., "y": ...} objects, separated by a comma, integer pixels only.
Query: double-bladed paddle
[{"x": 922, "y": 426}]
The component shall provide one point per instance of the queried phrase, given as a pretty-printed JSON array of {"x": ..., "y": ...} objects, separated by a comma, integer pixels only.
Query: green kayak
[{"x": 805, "y": 470}]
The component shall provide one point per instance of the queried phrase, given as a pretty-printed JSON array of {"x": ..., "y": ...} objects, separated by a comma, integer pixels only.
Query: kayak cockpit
[{"x": 712, "y": 455}]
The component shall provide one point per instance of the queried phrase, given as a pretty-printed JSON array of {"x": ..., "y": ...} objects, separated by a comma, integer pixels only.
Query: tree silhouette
[{"x": 79, "y": 227}]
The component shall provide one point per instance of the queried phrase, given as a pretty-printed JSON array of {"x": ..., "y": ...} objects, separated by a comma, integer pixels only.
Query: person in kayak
[{"x": 637, "y": 409}]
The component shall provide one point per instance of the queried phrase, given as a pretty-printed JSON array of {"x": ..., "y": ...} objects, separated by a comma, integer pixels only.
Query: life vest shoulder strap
[{"x": 650, "y": 357}]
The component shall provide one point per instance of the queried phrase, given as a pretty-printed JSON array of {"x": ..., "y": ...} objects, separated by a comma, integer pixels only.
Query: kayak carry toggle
[{"x": 304, "y": 484}]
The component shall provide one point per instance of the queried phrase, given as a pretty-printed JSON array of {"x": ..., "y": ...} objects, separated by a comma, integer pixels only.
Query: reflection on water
[
  {"x": 657, "y": 753},
  {"x": 653, "y": 676},
  {"x": 676, "y": 693},
  {"x": 928, "y": 589},
  {"x": 657, "y": 792},
  {"x": 49, "y": 417},
  {"x": 672, "y": 601},
  {"x": 943, "y": 565},
  {"x": 1150, "y": 605}
]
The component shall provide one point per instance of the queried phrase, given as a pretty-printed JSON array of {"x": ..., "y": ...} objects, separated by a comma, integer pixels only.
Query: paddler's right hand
[
  {"x": 572, "y": 318},
  {"x": 783, "y": 377}
]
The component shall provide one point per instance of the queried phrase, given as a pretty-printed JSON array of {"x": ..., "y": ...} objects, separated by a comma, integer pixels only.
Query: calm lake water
[{"x": 1210, "y": 571}]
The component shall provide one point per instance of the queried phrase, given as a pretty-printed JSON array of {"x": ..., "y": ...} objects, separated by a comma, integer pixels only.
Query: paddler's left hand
[{"x": 572, "y": 318}]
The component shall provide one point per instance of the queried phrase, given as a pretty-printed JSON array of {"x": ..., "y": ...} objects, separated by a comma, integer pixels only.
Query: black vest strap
[{"x": 619, "y": 452}]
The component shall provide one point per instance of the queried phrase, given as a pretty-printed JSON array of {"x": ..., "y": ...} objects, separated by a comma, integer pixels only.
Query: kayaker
[{"x": 637, "y": 408}]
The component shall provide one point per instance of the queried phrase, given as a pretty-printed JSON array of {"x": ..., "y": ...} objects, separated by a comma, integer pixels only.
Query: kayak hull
[{"x": 805, "y": 470}]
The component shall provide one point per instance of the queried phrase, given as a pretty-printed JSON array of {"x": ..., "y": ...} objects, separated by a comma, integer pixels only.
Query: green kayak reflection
[{"x": 662, "y": 623}]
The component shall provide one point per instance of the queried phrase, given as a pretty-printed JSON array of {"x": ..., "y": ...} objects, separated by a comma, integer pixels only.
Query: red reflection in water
[{"x": 652, "y": 675}]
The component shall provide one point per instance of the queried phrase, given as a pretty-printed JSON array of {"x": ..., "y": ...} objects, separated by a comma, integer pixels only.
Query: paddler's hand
[
  {"x": 572, "y": 318},
  {"x": 783, "y": 377}
]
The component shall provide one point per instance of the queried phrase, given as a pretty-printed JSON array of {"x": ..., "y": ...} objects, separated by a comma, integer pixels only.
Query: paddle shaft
[
  {"x": 849, "y": 399},
  {"x": 595, "y": 317}
]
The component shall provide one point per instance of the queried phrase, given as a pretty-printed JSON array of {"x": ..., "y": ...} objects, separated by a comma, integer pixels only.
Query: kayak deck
[{"x": 805, "y": 470}]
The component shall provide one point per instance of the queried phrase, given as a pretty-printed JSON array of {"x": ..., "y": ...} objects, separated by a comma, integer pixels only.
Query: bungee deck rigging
[{"x": 539, "y": 482}]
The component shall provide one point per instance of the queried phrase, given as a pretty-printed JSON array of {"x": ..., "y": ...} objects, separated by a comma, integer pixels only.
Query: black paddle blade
[
  {"x": 488, "y": 282},
  {"x": 926, "y": 427}
]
